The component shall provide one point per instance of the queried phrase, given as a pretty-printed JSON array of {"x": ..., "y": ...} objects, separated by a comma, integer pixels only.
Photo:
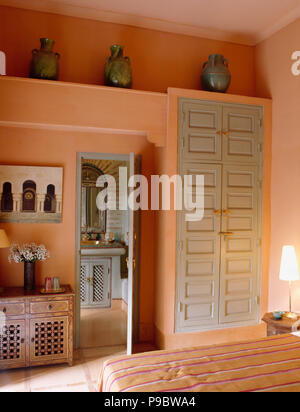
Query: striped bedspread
[{"x": 270, "y": 364}]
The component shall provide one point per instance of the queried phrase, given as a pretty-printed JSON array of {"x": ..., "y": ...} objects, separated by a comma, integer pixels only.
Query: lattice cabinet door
[
  {"x": 49, "y": 339},
  {"x": 95, "y": 283},
  {"x": 85, "y": 284},
  {"x": 12, "y": 344},
  {"x": 100, "y": 287}
]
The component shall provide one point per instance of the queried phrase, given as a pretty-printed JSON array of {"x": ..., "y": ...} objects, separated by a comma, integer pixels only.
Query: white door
[
  {"x": 100, "y": 286},
  {"x": 201, "y": 131},
  {"x": 241, "y": 134},
  {"x": 199, "y": 256},
  {"x": 95, "y": 283},
  {"x": 239, "y": 274},
  {"x": 84, "y": 284},
  {"x": 133, "y": 263}
]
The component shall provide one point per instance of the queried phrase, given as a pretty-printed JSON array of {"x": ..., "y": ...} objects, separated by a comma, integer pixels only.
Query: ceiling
[{"x": 239, "y": 21}]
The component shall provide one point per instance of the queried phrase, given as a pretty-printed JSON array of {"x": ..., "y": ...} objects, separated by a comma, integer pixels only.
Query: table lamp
[
  {"x": 4, "y": 243},
  {"x": 289, "y": 272}
]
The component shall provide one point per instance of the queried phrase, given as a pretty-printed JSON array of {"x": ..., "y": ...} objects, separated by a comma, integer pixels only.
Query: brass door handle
[
  {"x": 217, "y": 212},
  {"x": 226, "y": 212},
  {"x": 133, "y": 262},
  {"x": 226, "y": 233}
]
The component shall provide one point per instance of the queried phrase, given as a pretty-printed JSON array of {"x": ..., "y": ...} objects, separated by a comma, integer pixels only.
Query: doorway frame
[{"x": 136, "y": 283}]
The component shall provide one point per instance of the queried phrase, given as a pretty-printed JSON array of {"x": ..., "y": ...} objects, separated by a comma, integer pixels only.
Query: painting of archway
[
  {"x": 50, "y": 203},
  {"x": 31, "y": 194},
  {"x": 7, "y": 199}
]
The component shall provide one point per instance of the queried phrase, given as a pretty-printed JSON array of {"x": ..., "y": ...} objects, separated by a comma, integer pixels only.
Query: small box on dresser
[{"x": 36, "y": 329}]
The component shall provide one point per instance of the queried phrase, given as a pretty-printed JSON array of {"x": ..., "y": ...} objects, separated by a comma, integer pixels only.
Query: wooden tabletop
[
  {"x": 285, "y": 322},
  {"x": 16, "y": 292}
]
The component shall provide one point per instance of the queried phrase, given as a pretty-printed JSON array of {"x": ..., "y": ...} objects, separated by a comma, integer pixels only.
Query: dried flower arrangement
[{"x": 29, "y": 252}]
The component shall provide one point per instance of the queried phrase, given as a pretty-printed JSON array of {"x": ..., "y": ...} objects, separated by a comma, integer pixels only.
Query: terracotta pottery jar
[
  {"x": 216, "y": 76},
  {"x": 118, "y": 71},
  {"x": 44, "y": 63}
]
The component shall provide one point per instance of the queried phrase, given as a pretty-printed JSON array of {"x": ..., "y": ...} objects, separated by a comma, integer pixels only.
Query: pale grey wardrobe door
[
  {"x": 239, "y": 274},
  {"x": 198, "y": 257},
  {"x": 202, "y": 126},
  {"x": 241, "y": 133}
]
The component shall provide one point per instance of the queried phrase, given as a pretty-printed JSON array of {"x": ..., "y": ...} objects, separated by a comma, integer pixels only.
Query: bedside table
[{"x": 280, "y": 327}]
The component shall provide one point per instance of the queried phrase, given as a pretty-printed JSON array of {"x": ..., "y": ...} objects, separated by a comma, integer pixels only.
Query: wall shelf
[{"x": 31, "y": 103}]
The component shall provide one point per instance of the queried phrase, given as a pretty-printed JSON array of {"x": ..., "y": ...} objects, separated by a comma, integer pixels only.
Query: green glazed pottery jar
[
  {"x": 216, "y": 76},
  {"x": 44, "y": 63},
  {"x": 118, "y": 71}
]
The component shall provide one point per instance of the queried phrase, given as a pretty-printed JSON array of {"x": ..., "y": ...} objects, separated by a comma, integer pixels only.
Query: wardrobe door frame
[{"x": 260, "y": 164}]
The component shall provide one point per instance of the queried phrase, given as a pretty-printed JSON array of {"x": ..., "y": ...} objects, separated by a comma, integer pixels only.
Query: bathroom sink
[
  {"x": 98, "y": 247},
  {"x": 92, "y": 243}
]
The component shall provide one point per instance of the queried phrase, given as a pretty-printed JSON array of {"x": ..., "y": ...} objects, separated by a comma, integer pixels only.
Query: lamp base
[{"x": 291, "y": 315}]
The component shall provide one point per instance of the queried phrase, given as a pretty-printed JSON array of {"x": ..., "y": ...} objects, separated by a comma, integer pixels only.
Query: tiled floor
[
  {"x": 103, "y": 336},
  {"x": 103, "y": 327},
  {"x": 82, "y": 377}
]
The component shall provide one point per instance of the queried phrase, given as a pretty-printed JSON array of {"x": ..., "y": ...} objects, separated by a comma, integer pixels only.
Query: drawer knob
[
  {"x": 4, "y": 310},
  {"x": 22, "y": 340},
  {"x": 32, "y": 340},
  {"x": 50, "y": 307}
]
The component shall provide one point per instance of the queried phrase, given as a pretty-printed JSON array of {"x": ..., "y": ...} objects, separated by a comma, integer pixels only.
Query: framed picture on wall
[{"x": 31, "y": 194}]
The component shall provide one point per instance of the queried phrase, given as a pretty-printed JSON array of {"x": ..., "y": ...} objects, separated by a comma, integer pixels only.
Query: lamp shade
[
  {"x": 289, "y": 267},
  {"x": 4, "y": 242}
]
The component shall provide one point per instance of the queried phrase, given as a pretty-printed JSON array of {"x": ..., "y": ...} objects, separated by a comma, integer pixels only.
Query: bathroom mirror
[{"x": 92, "y": 218}]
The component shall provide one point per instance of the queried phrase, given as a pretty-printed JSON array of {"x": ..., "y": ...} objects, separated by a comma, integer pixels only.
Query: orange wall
[
  {"x": 57, "y": 148},
  {"x": 274, "y": 79},
  {"x": 160, "y": 60}
]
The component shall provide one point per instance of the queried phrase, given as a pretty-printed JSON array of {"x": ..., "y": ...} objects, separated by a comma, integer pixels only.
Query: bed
[{"x": 267, "y": 364}]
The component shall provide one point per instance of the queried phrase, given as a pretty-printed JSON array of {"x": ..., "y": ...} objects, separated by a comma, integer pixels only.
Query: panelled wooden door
[
  {"x": 199, "y": 252},
  {"x": 202, "y": 134},
  {"x": 239, "y": 249},
  {"x": 218, "y": 259},
  {"x": 240, "y": 133}
]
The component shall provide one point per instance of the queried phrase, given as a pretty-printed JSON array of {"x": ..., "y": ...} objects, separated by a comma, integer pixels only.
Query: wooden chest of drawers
[{"x": 35, "y": 329}]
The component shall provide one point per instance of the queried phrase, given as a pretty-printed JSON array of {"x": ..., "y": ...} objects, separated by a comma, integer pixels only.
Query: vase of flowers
[{"x": 28, "y": 254}]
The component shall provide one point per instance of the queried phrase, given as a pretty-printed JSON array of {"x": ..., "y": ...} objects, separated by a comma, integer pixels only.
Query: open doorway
[{"x": 107, "y": 283}]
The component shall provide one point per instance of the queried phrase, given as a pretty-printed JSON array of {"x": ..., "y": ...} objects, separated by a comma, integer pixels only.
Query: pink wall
[
  {"x": 21, "y": 146},
  {"x": 160, "y": 60},
  {"x": 274, "y": 79}
]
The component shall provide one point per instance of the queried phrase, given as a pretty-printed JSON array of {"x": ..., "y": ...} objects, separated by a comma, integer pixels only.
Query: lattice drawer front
[
  {"x": 49, "y": 338},
  {"x": 12, "y": 342},
  {"x": 83, "y": 275},
  {"x": 99, "y": 283}
]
